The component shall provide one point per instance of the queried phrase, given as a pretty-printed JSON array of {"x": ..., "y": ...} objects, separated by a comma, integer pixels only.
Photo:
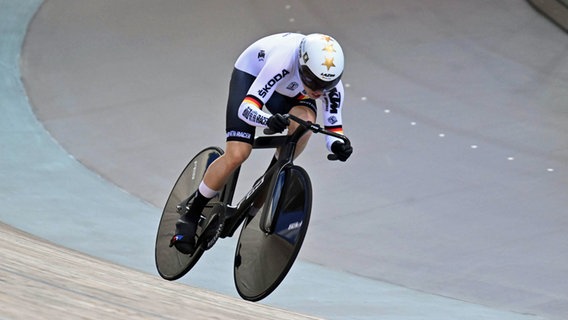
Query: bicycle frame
[{"x": 234, "y": 215}]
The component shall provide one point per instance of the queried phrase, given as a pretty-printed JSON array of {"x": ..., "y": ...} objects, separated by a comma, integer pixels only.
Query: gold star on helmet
[
  {"x": 328, "y": 63},
  {"x": 327, "y": 38},
  {"x": 329, "y": 48}
]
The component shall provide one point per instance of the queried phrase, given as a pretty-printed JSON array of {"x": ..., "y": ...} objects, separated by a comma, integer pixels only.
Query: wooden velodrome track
[
  {"x": 456, "y": 189},
  {"x": 44, "y": 281}
]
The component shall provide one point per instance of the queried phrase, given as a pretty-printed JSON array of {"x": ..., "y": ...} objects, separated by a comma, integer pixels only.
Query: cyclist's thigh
[
  {"x": 238, "y": 151},
  {"x": 282, "y": 104},
  {"x": 237, "y": 129},
  {"x": 304, "y": 113}
]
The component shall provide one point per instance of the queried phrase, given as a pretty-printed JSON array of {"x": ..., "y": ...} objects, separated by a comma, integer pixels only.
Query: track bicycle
[{"x": 274, "y": 215}]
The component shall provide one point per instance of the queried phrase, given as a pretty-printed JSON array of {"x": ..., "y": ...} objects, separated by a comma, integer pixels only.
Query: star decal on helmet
[
  {"x": 328, "y": 63},
  {"x": 329, "y": 48},
  {"x": 327, "y": 38}
]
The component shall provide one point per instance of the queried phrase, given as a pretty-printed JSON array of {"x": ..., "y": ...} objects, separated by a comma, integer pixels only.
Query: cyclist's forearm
[{"x": 250, "y": 112}]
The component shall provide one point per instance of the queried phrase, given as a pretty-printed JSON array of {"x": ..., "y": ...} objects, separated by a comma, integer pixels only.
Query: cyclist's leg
[
  {"x": 240, "y": 136},
  {"x": 236, "y": 152},
  {"x": 305, "y": 109},
  {"x": 219, "y": 171},
  {"x": 307, "y": 114}
]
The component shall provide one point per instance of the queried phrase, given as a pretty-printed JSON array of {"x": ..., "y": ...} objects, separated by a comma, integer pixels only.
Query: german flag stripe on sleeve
[
  {"x": 253, "y": 100},
  {"x": 336, "y": 129}
]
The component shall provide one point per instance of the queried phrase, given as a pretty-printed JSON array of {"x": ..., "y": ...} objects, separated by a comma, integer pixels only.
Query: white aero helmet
[{"x": 321, "y": 62}]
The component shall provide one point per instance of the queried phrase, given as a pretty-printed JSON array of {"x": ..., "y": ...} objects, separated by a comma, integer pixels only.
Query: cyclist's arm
[
  {"x": 251, "y": 113},
  {"x": 250, "y": 110},
  {"x": 333, "y": 102}
]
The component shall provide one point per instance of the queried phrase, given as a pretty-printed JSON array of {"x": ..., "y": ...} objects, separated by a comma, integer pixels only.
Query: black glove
[
  {"x": 341, "y": 150},
  {"x": 277, "y": 123}
]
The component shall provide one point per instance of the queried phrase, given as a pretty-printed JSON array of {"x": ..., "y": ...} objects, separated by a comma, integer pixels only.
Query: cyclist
[{"x": 286, "y": 73}]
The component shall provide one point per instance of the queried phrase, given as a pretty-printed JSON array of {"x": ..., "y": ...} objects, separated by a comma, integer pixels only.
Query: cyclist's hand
[
  {"x": 341, "y": 150},
  {"x": 278, "y": 123}
]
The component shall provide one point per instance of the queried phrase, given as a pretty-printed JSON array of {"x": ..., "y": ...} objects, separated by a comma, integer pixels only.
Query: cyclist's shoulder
[
  {"x": 336, "y": 92},
  {"x": 271, "y": 55},
  {"x": 333, "y": 99},
  {"x": 281, "y": 40},
  {"x": 275, "y": 47}
]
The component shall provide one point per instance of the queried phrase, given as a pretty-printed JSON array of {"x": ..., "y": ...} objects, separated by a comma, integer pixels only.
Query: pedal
[
  {"x": 212, "y": 227},
  {"x": 183, "y": 206},
  {"x": 181, "y": 209}
]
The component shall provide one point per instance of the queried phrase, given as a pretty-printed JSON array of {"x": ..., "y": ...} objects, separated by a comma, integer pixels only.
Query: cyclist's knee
[
  {"x": 304, "y": 113},
  {"x": 237, "y": 153}
]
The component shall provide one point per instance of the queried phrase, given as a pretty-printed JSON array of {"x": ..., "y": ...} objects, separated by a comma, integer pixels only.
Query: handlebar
[{"x": 315, "y": 128}]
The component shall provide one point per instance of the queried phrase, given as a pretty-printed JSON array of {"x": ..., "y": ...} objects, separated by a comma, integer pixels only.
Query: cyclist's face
[{"x": 313, "y": 94}]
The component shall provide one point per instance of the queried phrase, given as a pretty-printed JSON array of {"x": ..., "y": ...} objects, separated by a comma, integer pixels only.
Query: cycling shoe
[{"x": 184, "y": 238}]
